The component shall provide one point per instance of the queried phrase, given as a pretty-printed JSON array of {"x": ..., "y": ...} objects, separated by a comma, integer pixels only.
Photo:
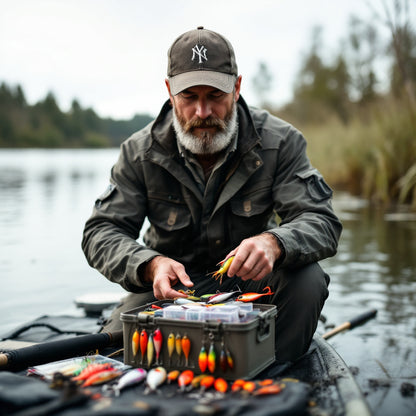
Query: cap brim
[{"x": 180, "y": 82}]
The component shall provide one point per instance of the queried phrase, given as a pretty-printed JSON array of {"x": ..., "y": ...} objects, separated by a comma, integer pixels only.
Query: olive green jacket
[{"x": 267, "y": 174}]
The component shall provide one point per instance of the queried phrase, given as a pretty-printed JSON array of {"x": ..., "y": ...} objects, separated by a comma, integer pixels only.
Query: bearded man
[{"x": 211, "y": 175}]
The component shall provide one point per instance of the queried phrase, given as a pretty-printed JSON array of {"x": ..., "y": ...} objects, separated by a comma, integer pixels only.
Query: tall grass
[{"x": 373, "y": 156}]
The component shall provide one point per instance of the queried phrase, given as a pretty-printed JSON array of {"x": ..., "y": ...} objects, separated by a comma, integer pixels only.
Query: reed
[{"x": 373, "y": 156}]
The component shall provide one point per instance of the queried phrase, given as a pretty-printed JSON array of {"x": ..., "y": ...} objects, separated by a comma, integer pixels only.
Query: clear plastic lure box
[{"x": 250, "y": 344}]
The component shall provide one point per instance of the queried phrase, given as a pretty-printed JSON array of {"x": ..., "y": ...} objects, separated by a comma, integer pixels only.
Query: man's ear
[
  {"x": 237, "y": 88},
  {"x": 168, "y": 87}
]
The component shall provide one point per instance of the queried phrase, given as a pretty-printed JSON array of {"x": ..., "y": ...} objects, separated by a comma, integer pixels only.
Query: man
[{"x": 211, "y": 174}]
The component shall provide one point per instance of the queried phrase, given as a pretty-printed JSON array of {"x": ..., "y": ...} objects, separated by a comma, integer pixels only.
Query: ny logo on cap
[{"x": 201, "y": 52}]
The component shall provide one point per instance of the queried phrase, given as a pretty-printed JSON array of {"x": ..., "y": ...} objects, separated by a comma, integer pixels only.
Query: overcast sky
[{"x": 111, "y": 54}]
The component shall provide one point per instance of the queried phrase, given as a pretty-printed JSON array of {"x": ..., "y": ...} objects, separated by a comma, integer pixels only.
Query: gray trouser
[{"x": 299, "y": 296}]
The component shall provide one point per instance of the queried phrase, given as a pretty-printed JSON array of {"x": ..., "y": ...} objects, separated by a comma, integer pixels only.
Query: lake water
[{"x": 47, "y": 195}]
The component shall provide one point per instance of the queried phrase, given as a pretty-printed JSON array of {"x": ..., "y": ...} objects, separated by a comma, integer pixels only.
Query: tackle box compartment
[{"x": 251, "y": 344}]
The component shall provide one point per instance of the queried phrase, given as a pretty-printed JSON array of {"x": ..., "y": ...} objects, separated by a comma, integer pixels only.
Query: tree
[
  {"x": 403, "y": 46},
  {"x": 364, "y": 47},
  {"x": 262, "y": 82},
  {"x": 321, "y": 88}
]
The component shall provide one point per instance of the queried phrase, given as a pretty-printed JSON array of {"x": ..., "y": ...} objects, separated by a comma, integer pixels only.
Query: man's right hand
[{"x": 164, "y": 273}]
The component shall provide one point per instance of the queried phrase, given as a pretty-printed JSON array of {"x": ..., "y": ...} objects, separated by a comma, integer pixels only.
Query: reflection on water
[
  {"x": 376, "y": 268},
  {"x": 46, "y": 196}
]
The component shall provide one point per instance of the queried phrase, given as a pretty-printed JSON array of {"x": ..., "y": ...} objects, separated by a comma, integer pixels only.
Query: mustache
[{"x": 198, "y": 122}]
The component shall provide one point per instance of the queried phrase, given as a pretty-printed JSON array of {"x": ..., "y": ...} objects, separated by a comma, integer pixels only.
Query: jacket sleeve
[
  {"x": 309, "y": 230},
  {"x": 110, "y": 234}
]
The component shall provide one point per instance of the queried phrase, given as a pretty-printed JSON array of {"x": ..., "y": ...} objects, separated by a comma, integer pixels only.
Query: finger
[
  {"x": 182, "y": 276},
  {"x": 162, "y": 287},
  {"x": 235, "y": 267},
  {"x": 173, "y": 294}
]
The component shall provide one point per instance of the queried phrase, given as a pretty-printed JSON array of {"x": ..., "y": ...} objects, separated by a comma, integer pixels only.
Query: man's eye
[
  {"x": 217, "y": 94},
  {"x": 187, "y": 95}
]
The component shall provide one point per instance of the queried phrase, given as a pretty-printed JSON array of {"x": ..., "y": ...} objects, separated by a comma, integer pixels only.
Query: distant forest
[{"x": 45, "y": 125}]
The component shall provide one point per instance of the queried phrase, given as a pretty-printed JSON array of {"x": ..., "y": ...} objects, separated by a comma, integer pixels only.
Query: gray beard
[{"x": 208, "y": 145}]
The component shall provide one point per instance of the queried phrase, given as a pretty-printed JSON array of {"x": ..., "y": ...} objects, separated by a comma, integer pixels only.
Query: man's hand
[
  {"x": 254, "y": 257},
  {"x": 164, "y": 273}
]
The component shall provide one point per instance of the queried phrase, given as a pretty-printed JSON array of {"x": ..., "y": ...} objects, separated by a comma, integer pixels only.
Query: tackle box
[{"x": 250, "y": 344}]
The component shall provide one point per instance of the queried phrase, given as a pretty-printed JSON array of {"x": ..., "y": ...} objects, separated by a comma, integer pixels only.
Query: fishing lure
[
  {"x": 155, "y": 377},
  {"x": 206, "y": 383},
  {"x": 265, "y": 382},
  {"x": 212, "y": 357},
  {"x": 230, "y": 361},
  {"x": 150, "y": 350},
  {"x": 223, "y": 360},
  {"x": 173, "y": 375},
  {"x": 225, "y": 265},
  {"x": 220, "y": 385},
  {"x": 92, "y": 369},
  {"x": 101, "y": 377},
  {"x": 206, "y": 296},
  {"x": 237, "y": 385},
  {"x": 196, "y": 382},
  {"x": 188, "y": 292},
  {"x": 178, "y": 346},
  {"x": 135, "y": 342},
  {"x": 203, "y": 359},
  {"x": 73, "y": 370},
  {"x": 171, "y": 346},
  {"x": 143, "y": 344},
  {"x": 183, "y": 301},
  {"x": 186, "y": 348},
  {"x": 270, "y": 389},
  {"x": 221, "y": 297},
  {"x": 252, "y": 296},
  {"x": 157, "y": 341},
  {"x": 184, "y": 379},
  {"x": 249, "y": 386},
  {"x": 131, "y": 377}
]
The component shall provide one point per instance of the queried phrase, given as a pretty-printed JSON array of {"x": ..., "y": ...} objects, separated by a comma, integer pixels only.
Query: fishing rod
[
  {"x": 19, "y": 359},
  {"x": 352, "y": 323}
]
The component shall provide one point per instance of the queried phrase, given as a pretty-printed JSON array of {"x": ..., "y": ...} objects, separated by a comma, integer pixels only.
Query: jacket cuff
[{"x": 282, "y": 256}]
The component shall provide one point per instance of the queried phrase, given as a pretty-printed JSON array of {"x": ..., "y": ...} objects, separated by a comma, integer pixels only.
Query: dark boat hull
[{"x": 332, "y": 389}]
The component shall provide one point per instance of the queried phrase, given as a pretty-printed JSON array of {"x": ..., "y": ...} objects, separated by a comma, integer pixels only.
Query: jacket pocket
[
  {"x": 105, "y": 195},
  {"x": 315, "y": 184},
  {"x": 250, "y": 213},
  {"x": 170, "y": 226},
  {"x": 168, "y": 216}
]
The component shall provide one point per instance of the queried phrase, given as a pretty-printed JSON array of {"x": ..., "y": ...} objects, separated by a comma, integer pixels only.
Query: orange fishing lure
[
  {"x": 252, "y": 296},
  {"x": 221, "y": 385},
  {"x": 143, "y": 344},
  {"x": 135, "y": 342},
  {"x": 185, "y": 378},
  {"x": 92, "y": 369},
  {"x": 186, "y": 348}
]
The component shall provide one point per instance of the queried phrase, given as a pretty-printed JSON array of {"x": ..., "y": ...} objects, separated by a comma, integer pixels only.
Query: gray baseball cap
[{"x": 201, "y": 57}]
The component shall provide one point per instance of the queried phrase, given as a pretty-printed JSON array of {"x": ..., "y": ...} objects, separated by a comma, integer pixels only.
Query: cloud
[{"x": 111, "y": 55}]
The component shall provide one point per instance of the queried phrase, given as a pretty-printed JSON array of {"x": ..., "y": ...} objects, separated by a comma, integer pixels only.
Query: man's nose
[{"x": 203, "y": 108}]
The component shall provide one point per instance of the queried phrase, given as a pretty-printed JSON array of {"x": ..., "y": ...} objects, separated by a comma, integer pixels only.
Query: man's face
[{"x": 205, "y": 118}]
